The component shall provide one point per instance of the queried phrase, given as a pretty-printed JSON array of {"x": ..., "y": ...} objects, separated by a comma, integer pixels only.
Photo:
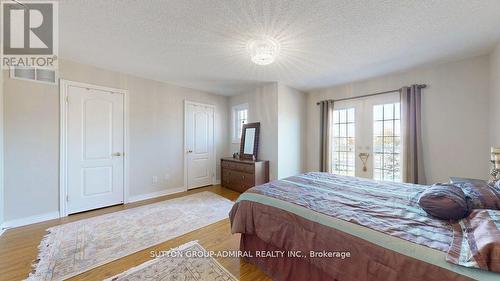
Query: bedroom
[{"x": 336, "y": 87}]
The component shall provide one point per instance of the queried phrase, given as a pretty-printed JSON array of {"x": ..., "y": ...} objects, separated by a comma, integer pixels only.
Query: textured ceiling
[{"x": 202, "y": 43}]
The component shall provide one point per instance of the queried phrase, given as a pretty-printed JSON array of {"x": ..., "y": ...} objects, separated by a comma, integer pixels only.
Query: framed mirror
[{"x": 249, "y": 145}]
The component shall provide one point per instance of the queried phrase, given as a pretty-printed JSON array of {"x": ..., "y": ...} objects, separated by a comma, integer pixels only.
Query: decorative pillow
[
  {"x": 481, "y": 195},
  {"x": 444, "y": 201}
]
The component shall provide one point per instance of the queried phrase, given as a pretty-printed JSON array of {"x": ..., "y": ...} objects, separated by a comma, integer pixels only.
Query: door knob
[
  {"x": 117, "y": 154},
  {"x": 189, "y": 151}
]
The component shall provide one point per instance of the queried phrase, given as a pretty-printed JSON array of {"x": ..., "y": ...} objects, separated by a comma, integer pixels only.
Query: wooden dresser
[{"x": 240, "y": 175}]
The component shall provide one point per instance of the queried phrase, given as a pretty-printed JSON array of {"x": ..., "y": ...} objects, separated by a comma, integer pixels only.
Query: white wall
[
  {"x": 291, "y": 131},
  {"x": 262, "y": 107},
  {"x": 245, "y": 98},
  {"x": 454, "y": 115},
  {"x": 495, "y": 97},
  {"x": 156, "y": 136},
  {"x": 282, "y": 114}
]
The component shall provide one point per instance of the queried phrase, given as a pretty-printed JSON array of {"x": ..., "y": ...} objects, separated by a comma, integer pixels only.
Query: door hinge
[
  {"x": 67, "y": 197},
  {"x": 67, "y": 99}
]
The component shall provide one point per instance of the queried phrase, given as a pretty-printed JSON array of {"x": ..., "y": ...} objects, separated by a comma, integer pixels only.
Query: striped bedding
[
  {"x": 476, "y": 241},
  {"x": 391, "y": 208}
]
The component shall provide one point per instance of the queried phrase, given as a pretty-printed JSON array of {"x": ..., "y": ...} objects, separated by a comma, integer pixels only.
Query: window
[
  {"x": 41, "y": 75},
  {"x": 240, "y": 117},
  {"x": 387, "y": 142},
  {"x": 343, "y": 142}
]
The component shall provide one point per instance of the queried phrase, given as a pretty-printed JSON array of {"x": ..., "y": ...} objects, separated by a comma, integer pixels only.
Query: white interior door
[
  {"x": 199, "y": 145},
  {"x": 368, "y": 127},
  {"x": 95, "y": 148}
]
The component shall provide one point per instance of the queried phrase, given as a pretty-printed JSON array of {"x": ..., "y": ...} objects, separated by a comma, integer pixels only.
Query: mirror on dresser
[
  {"x": 249, "y": 145},
  {"x": 243, "y": 172}
]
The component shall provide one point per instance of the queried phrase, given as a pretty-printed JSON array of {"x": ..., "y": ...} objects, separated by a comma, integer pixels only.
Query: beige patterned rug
[
  {"x": 76, "y": 247},
  {"x": 189, "y": 262}
]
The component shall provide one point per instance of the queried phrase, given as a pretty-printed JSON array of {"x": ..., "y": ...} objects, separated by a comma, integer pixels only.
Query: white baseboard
[
  {"x": 217, "y": 182},
  {"x": 152, "y": 195},
  {"x": 30, "y": 220},
  {"x": 54, "y": 215}
]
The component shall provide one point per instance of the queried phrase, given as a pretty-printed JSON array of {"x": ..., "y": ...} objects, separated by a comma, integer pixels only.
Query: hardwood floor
[{"x": 19, "y": 246}]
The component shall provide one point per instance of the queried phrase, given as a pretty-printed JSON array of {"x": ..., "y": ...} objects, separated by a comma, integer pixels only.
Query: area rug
[
  {"x": 76, "y": 247},
  {"x": 189, "y": 262}
]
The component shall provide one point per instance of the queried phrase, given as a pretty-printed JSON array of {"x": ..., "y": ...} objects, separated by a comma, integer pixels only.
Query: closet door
[
  {"x": 199, "y": 142},
  {"x": 95, "y": 142}
]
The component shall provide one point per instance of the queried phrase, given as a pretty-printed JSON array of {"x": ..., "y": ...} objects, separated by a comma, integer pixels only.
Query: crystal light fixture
[{"x": 263, "y": 51}]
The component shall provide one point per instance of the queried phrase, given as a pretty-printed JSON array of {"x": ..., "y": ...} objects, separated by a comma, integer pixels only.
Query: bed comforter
[{"x": 385, "y": 207}]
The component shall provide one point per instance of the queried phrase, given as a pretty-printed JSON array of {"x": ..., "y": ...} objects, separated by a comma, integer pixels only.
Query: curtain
[
  {"x": 326, "y": 136},
  {"x": 413, "y": 165}
]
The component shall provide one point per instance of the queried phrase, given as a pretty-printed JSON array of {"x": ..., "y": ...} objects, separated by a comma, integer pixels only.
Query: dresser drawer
[
  {"x": 231, "y": 176},
  {"x": 240, "y": 175},
  {"x": 248, "y": 179},
  {"x": 242, "y": 187},
  {"x": 243, "y": 167},
  {"x": 226, "y": 178}
]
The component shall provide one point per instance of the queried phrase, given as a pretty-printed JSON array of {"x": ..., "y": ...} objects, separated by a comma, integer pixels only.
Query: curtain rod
[{"x": 369, "y": 95}]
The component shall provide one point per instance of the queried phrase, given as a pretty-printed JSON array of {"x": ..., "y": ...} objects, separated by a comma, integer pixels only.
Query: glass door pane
[
  {"x": 369, "y": 126},
  {"x": 387, "y": 142},
  {"x": 344, "y": 141}
]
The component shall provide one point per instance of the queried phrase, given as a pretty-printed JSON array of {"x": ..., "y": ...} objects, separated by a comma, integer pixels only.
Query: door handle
[
  {"x": 189, "y": 151},
  {"x": 364, "y": 159},
  {"x": 117, "y": 154}
]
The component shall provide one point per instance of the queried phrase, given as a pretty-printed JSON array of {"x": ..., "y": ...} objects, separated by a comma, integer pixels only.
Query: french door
[{"x": 367, "y": 138}]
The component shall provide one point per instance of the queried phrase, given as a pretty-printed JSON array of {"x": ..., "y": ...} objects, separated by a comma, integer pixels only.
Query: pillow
[
  {"x": 481, "y": 195},
  {"x": 444, "y": 201}
]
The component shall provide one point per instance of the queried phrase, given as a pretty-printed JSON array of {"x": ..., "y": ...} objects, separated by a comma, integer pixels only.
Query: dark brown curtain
[
  {"x": 326, "y": 136},
  {"x": 413, "y": 165}
]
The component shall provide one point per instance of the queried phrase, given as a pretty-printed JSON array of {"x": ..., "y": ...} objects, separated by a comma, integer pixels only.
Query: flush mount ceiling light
[{"x": 263, "y": 51}]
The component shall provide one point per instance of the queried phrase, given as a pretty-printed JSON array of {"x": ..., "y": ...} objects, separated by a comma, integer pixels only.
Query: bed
[{"x": 319, "y": 226}]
